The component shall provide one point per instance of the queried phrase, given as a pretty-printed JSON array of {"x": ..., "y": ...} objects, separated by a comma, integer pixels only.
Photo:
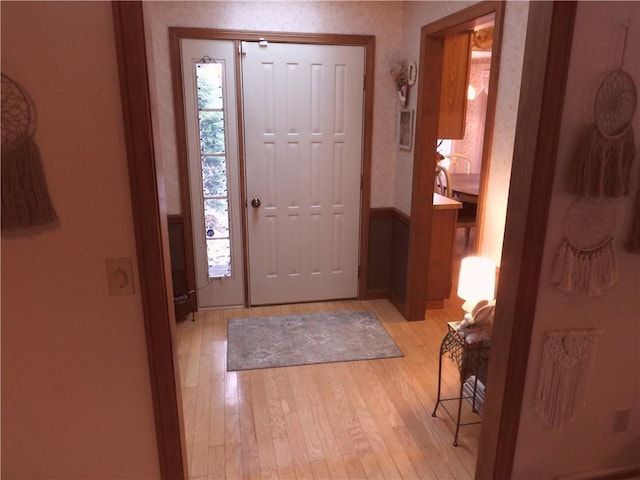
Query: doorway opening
[{"x": 430, "y": 108}]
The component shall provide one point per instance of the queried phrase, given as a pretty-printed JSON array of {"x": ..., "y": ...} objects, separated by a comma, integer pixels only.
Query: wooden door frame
[
  {"x": 428, "y": 110},
  {"x": 152, "y": 239},
  {"x": 547, "y": 50},
  {"x": 176, "y": 34}
]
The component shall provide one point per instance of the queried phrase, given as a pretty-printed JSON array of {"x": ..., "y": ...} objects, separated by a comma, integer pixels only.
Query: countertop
[{"x": 440, "y": 202}]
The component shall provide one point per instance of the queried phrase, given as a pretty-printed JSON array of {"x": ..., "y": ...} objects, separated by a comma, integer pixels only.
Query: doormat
[{"x": 286, "y": 340}]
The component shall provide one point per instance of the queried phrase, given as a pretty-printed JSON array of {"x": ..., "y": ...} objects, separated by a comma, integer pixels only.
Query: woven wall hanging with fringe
[
  {"x": 565, "y": 373},
  {"x": 586, "y": 262},
  {"x": 25, "y": 196},
  {"x": 602, "y": 162}
]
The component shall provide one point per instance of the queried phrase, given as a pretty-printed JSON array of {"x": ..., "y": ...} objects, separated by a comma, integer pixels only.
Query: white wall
[
  {"x": 589, "y": 442},
  {"x": 76, "y": 398},
  {"x": 382, "y": 19}
]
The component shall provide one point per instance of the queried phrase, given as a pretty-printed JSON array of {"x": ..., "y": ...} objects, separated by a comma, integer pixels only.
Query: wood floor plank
[
  {"x": 332, "y": 409},
  {"x": 421, "y": 464},
  {"x": 274, "y": 405},
  {"x": 297, "y": 445},
  {"x": 284, "y": 462},
  {"x": 376, "y": 441},
  {"x": 230, "y": 393},
  {"x": 217, "y": 410},
  {"x": 248, "y": 439},
  {"x": 233, "y": 446},
  {"x": 262, "y": 423},
  {"x": 189, "y": 415},
  {"x": 193, "y": 362},
  {"x": 331, "y": 450},
  {"x": 285, "y": 390},
  {"x": 320, "y": 470},
  {"x": 216, "y": 469},
  {"x": 365, "y": 419},
  {"x": 366, "y": 381},
  {"x": 354, "y": 428},
  {"x": 200, "y": 446},
  {"x": 354, "y": 467}
]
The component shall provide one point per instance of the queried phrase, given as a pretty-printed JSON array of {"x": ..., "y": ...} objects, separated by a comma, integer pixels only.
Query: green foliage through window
[{"x": 211, "y": 132}]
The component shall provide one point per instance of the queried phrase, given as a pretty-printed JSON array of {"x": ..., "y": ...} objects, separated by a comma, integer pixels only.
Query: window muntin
[{"x": 215, "y": 192}]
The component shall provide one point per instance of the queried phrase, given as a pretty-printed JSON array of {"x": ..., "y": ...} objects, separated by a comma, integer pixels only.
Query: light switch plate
[{"x": 120, "y": 276}]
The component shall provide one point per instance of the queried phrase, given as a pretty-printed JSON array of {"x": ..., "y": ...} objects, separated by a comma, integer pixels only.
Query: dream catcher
[
  {"x": 603, "y": 160},
  {"x": 586, "y": 262},
  {"x": 25, "y": 196}
]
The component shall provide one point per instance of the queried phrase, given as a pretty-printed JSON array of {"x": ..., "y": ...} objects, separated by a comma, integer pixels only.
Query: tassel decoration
[
  {"x": 25, "y": 197},
  {"x": 602, "y": 164},
  {"x": 586, "y": 262}
]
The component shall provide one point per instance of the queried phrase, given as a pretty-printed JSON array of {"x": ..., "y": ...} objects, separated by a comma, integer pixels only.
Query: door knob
[{"x": 255, "y": 203}]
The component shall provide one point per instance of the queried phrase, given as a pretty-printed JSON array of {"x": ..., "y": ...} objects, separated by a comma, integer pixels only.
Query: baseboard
[{"x": 616, "y": 473}]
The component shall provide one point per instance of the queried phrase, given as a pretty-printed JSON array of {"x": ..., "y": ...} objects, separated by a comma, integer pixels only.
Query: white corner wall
[
  {"x": 589, "y": 442},
  {"x": 76, "y": 398}
]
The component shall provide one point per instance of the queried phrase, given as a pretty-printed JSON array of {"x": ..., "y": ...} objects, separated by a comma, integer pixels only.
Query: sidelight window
[{"x": 215, "y": 180}]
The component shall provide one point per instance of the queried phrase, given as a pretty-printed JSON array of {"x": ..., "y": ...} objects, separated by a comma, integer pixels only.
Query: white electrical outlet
[
  {"x": 621, "y": 420},
  {"x": 120, "y": 276}
]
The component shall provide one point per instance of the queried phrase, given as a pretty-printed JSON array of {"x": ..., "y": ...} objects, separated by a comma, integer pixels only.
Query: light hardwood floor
[{"x": 363, "y": 419}]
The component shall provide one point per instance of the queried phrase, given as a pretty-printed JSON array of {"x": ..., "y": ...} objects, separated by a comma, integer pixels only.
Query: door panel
[{"x": 303, "y": 108}]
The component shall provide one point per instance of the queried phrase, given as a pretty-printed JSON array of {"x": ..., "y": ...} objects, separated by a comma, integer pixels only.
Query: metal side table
[{"x": 469, "y": 349}]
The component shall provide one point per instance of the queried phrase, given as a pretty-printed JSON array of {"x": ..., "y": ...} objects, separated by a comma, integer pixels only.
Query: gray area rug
[{"x": 265, "y": 342}]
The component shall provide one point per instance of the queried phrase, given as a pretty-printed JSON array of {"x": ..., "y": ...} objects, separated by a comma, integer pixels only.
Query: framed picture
[{"x": 405, "y": 128}]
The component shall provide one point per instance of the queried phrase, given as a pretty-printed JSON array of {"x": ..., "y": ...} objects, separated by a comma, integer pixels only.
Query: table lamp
[{"x": 477, "y": 281}]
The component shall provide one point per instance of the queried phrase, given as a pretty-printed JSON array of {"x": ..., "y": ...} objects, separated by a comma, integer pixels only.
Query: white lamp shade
[{"x": 477, "y": 279}]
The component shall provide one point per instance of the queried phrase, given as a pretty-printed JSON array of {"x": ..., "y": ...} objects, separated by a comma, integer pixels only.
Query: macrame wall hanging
[
  {"x": 25, "y": 197},
  {"x": 602, "y": 164},
  {"x": 565, "y": 373},
  {"x": 586, "y": 262}
]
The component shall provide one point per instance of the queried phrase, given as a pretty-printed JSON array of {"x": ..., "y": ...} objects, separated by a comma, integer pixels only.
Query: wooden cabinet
[
  {"x": 455, "y": 78},
  {"x": 443, "y": 234}
]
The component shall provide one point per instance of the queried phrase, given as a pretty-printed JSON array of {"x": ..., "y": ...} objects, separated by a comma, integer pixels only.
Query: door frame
[
  {"x": 547, "y": 51},
  {"x": 176, "y": 34},
  {"x": 428, "y": 110}
]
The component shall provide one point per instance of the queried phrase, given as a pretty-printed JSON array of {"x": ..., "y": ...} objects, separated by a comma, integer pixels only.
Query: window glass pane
[
  {"x": 209, "y": 80},
  {"x": 219, "y": 255},
  {"x": 214, "y": 168},
  {"x": 214, "y": 176},
  {"x": 216, "y": 218},
  {"x": 211, "y": 132}
]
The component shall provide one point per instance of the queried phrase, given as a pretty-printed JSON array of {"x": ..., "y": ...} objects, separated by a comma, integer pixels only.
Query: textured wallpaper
[
  {"x": 396, "y": 26},
  {"x": 382, "y": 19}
]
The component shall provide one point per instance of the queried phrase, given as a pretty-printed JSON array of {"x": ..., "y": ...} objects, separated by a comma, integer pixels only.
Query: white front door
[{"x": 303, "y": 115}]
